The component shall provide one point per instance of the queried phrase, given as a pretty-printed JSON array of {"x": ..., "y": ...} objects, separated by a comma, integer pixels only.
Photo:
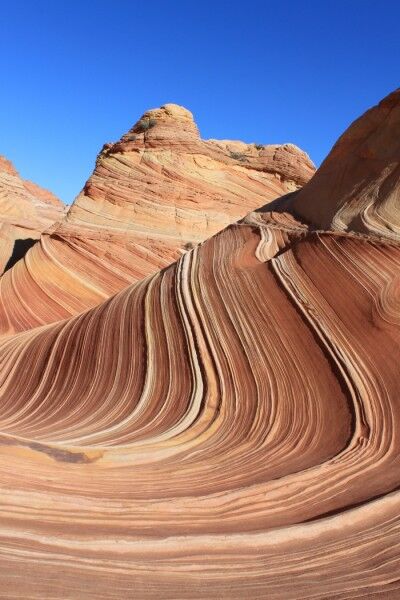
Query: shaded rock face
[
  {"x": 357, "y": 186},
  {"x": 226, "y": 428},
  {"x": 26, "y": 210},
  {"x": 154, "y": 194}
]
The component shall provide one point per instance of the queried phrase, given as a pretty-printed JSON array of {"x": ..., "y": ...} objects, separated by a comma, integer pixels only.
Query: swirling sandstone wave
[
  {"x": 155, "y": 193},
  {"x": 227, "y": 428},
  {"x": 26, "y": 210},
  {"x": 172, "y": 438}
]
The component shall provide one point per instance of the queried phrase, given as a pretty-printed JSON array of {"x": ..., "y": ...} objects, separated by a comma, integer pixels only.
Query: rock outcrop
[
  {"x": 357, "y": 188},
  {"x": 26, "y": 210},
  {"x": 154, "y": 194},
  {"x": 226, "y": 428}
]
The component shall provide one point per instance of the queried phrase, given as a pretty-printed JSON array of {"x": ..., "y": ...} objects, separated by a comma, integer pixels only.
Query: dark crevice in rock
[{"x": 21, "y": 247}]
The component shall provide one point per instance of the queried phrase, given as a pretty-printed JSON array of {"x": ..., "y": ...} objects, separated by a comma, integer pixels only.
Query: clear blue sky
[{"x": 75, "y": 74}]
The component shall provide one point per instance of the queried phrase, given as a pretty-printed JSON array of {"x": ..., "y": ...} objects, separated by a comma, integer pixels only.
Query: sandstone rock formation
[
  {"x": 153, "y": 195},
  {"x": 357, "y": 187},
  {"x": 228, "y": 428},
  {"x": 26, "y": 210}
]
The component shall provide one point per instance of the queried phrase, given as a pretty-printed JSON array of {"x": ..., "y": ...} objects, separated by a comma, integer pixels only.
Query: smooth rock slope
[
  {"x": 154, "y": 194},
  {"x": 357, "y": 187},
  {"x": 228, "y": 428}
]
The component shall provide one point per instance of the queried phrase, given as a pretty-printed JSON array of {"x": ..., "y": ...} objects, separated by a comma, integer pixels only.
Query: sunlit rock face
[
  {"x": 226, "y": 428},
  {"x": 26, "y": 210},
  {"x": 153, "y": 195}
]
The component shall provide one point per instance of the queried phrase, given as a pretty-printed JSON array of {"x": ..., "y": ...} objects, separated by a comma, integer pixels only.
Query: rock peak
[
  {"x": 175, "y": 111},
  {"x": 168, "y": 121},
  {"x": 6, "y": 166}
]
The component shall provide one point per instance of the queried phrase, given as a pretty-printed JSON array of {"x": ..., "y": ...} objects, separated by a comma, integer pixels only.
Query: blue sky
[{"x": 76, "y": 74}]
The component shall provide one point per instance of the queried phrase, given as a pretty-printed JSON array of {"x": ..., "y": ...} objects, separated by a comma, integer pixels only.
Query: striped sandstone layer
[
  {"x": 157, "y": 192},
  {"x": 224, "y": 429}
]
